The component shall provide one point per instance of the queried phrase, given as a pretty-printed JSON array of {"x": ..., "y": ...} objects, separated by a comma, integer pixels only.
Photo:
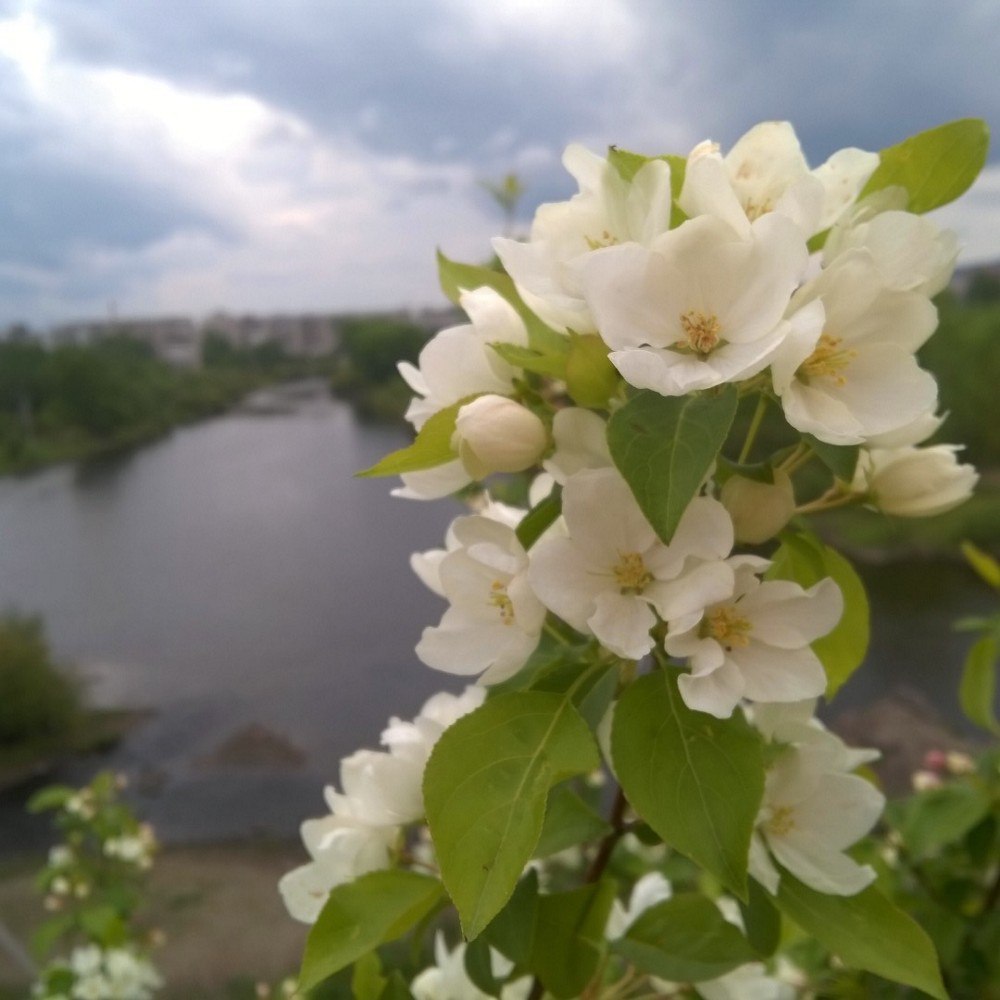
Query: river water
[{"x": 235, "y": 573}]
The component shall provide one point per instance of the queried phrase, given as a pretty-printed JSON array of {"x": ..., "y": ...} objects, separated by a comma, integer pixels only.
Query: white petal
[{"x": 622, "y": 623}]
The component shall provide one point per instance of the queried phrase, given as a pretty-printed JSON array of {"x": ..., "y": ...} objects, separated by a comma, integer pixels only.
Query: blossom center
[
  {"x": 500, "y": 600},
  {"x": 631, "y": 574},
  {"x": 755, "y": 209},
  {"x": 728, "y": 627},
  {"x": 701, "y": 332},
  {"x": 604, "y": 240},
  {"x": 782, "y": 821},
  {"x": 828, "y": 360}
]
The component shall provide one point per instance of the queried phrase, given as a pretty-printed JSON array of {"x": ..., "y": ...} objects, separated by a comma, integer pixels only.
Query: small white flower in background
[
  {"x": 856, "y": 375},
  {"x": 612, "y": 574},
  {"x": 495, "y": 619},
  {"x": 746, "y": 982},
  {"x": 915, "y": 482},
  {"x": 759, "y": 510},
  {"x": 700, "y": 306},
  {"x": 754, "y": 642},
  {"x": 608, "y": 210},
  {"x": 766, "y": 172},
  {"x": 496, "y": 434},
  {"x": 448, "y": 980},
  {"x": 61, "y": 856},
  {"x": 650, "y": 889}
]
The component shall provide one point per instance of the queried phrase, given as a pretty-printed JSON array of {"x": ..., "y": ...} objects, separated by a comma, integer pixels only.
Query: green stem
[{"x": 758, "y": 417}]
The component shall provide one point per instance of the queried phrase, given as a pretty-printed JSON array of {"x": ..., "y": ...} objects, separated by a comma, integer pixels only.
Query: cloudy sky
[{"x": 184, "y": 156}]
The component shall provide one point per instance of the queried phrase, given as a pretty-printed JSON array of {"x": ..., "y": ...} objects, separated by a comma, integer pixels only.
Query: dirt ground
[{"x": 217, "y": 905}]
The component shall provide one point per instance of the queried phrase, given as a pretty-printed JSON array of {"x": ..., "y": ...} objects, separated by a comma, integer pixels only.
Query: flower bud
[
  {"x": 759, "y": 510},
  {"x": 915, "y": 482},
  {"x": 495, "y": 434}
]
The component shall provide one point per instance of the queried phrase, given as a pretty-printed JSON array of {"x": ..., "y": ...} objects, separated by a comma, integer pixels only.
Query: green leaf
[
  {"x": 568, "y": 821},
  {"x": 512, "y": 930},
  {"x": 806, "y": 560},
  {"x": 569, "y": 937},
  {"x": 933, "y": 819},
  {"x": 867, "y": 932},
  {"x": 696, "y": 780},
  {"x": 361, "y": 915},
  {"x": 479, "y": 966},
  {"x": 367, "y": 981},
  {"x": 934, "y": 167},
  {"x": 685, "y": 939},
  {"x": 431, "y": 447},
  {"x": 551, "y": 364},
  {"x": 396, "y": 988},
  {"x": 50, "y": 797},
  {"x": 591, "y": 379},
  {"x": 455, "y": 278},
  {"x": 541, "y": 517},
  {"x": 987, "y": 568},
  {"x": 761, "y": 920},
  {"x": 485, "y": 788},
  {"x": 841, "y": 460},
  {"x": 664, "y": 447},
  {"x": 977, "y": 689}
]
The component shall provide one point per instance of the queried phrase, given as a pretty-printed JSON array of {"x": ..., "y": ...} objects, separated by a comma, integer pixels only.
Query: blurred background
[{"x": 217, "y": 234}]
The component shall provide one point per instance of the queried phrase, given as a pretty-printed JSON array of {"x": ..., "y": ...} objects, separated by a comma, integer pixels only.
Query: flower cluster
[
  {"x": 380, "y": 794},
  {"x": 93, "y": 973},
  {"x": 687, "y": 358}
]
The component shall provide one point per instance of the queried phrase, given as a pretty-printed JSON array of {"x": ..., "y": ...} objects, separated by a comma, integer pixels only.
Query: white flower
[
  {"x": 810, "y": 815},
  {"x": 495, "y": 620},
  {"x": 746, "y": 982},
  {"x": 856, "y": 376},
  {"x": 759, "y": 510},
  {"x": 414, "y": 740},
  {"x": 458, "y": 362},
  {"x": 612, "y": 574},
  {"x": 650, "y": 889},
  {"x": 341, "y": 850},
  {"x": 608, "y": 210},
  {"x": 448, "y": 980},
  {"x": 915, "y": 482},
  {"x": 754, "y": 643},
  {"x": 700, "y": 306},
  {"x": 909, "y": 251},
  {"x": 581, "y": 442},
  {"x": 766, "y": 172},
  {"x": 496, "y": 434}
]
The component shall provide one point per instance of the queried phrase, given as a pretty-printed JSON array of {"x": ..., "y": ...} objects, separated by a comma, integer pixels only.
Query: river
[{"x": 235, "y": 573}]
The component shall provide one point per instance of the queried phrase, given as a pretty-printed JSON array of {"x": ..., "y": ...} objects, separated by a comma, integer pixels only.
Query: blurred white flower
[
  {"x": 448, "y": 980},
  {"x": 915, "y": 482}
]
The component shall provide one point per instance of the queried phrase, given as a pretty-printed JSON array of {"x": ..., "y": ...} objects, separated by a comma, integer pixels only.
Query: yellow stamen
[
  {"x": 631, "y": 573},
  {"x": 701, "y": 331},
  {"x": 755, "y": 210},
  {"x": 499, "y": 599},
  {"x": 828, "y": 360},
  {"x": 782, "y": 821},
  {"x": 604, "y": 240},
  {"x": 728, "y": 627}
]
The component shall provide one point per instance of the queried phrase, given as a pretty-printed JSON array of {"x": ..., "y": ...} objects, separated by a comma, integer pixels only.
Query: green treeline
[{"x": 73, "y": 401}]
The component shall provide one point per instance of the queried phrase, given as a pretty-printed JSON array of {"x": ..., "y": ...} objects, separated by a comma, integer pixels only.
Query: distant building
[{"x": 302, "y": 336}]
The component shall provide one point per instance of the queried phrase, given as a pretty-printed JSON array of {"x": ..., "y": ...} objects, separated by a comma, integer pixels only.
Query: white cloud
[{"x": 975, "y": 217}]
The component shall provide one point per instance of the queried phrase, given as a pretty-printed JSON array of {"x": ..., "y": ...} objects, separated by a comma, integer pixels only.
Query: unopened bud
[
  {"x": 759, "y": 510},
  {"x": 495, "y": 434}
]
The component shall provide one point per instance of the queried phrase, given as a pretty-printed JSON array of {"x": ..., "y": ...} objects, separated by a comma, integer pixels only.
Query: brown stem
[{"x": 618, "y": 828}]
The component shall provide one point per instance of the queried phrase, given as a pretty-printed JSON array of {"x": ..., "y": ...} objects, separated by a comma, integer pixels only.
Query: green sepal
[{"x": 430, "y": 448}]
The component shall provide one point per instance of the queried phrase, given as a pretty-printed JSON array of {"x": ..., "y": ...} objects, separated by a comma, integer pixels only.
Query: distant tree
[
  {"x": 375, "y": 343},
  {"x": 984, "y": 287},
  {"x": 218, "y": 352}
]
